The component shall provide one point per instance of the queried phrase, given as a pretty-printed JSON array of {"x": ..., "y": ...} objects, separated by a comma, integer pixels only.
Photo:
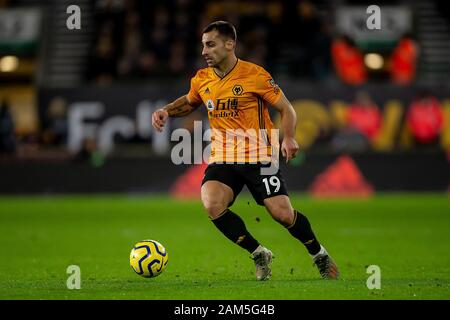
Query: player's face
[{"x": 215, "y": 48}]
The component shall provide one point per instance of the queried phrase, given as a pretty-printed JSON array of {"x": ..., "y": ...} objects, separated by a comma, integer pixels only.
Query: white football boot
[{"x": 263, "y": 260}]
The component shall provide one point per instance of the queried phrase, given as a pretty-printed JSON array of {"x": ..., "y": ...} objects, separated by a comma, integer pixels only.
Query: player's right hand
[{"x": 159, "y": 118}]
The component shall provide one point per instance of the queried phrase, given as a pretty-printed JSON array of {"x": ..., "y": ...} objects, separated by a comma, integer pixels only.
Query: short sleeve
[
  {"x": 193, "y": 95},
  {"x": 266, "y": 87}
]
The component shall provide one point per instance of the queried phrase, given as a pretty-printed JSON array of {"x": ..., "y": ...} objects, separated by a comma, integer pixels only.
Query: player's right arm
[
  {"x": 178, "y": 108},
  {"x": 181, "y": 107}
]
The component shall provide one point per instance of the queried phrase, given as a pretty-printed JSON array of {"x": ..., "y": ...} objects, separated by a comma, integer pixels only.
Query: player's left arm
[{"x": 289, "y": 147}]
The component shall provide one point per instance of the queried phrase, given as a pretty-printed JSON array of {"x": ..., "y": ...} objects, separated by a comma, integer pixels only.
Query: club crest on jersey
[
  {"x": 237, "y": 90},
  {"x": 210, "y": 105}
]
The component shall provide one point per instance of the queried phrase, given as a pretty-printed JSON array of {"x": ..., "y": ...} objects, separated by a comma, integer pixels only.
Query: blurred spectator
[
  {"x": 348, "y": 61},
  {"x": 55, "y": 132},
  {"x": 403, "y": 61},
  {"x": 158, "y": 41},
  {"x": 309, "y": 42},
  {"x": 7, "y": 137},
  {"x": 130, "y": 59},
  {"x": 89, "y": 153},
  {"x": 103, "y": 62},
  {"x": 256, "y": 50},
  {"x": 363, "y": 123},
  {"x": 425, "y": 118},
  {"x": 177, "y": 60},
  {"x": 364, "y": 116}
]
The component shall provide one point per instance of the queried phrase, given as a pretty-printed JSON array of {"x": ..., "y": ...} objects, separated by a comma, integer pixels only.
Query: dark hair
[{"x": 224, "y": 28}]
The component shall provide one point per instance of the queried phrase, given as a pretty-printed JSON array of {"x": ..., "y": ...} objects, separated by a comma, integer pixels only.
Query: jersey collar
[{"x": 221, "y": 78}]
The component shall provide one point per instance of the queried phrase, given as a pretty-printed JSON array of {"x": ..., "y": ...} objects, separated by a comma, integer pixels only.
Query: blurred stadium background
[{"x": 76, "y": 104}]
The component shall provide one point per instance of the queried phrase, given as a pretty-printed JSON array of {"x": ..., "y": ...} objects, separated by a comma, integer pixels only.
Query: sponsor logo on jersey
[
  {"x": 224, "y": 114},
  {"x": 224, "y": 108}
]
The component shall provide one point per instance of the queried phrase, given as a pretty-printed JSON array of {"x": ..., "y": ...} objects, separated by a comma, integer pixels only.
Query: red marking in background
[
  {"x": 341, "y": 179},
  {"x": 187, "y": 185}
]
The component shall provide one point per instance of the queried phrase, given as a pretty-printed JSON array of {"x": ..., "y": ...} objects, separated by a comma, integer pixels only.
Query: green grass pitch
[{"x": 406, "y": 235}]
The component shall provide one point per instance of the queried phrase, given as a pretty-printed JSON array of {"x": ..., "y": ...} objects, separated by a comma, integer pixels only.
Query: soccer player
[{"x": 236, "y": 93}]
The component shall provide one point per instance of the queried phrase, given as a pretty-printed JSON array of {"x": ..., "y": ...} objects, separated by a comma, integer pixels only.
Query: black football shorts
[{"x": 235, "y": 176}]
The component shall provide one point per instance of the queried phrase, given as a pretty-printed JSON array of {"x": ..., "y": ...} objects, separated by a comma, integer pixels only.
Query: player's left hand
[{"x": 289, "y": 148}]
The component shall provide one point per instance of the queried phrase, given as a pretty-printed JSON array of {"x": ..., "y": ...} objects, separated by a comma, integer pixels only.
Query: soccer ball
[{"x": 148, "y": 258}]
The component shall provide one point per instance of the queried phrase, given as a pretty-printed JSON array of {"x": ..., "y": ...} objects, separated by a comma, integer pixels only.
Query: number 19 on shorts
[{"x": 272, "y": 184}]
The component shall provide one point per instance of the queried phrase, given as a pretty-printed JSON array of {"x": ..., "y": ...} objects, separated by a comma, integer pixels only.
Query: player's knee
[
  {"x": 215, "y": 200},
  {"x": 214, "y": 207},
  {"x": 280, "y": 209},
  {"x": 284, "y": 215}
]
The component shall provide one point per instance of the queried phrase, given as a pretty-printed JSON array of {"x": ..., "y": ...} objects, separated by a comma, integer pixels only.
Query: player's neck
[{"x": 223, "y": 69}]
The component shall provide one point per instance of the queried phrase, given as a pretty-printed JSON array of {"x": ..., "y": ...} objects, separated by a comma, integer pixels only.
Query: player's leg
[
  {"x": 298, "y": 225},
  {"x": 281, "y": 210},
  {"x": 216, "y": 198},
  {"x": 220, "y": 187},
  {"x": 270, "y": 191}
]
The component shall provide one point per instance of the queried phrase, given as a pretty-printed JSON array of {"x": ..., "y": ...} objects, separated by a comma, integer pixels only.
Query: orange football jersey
[{"x": 241, "y": 129}]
